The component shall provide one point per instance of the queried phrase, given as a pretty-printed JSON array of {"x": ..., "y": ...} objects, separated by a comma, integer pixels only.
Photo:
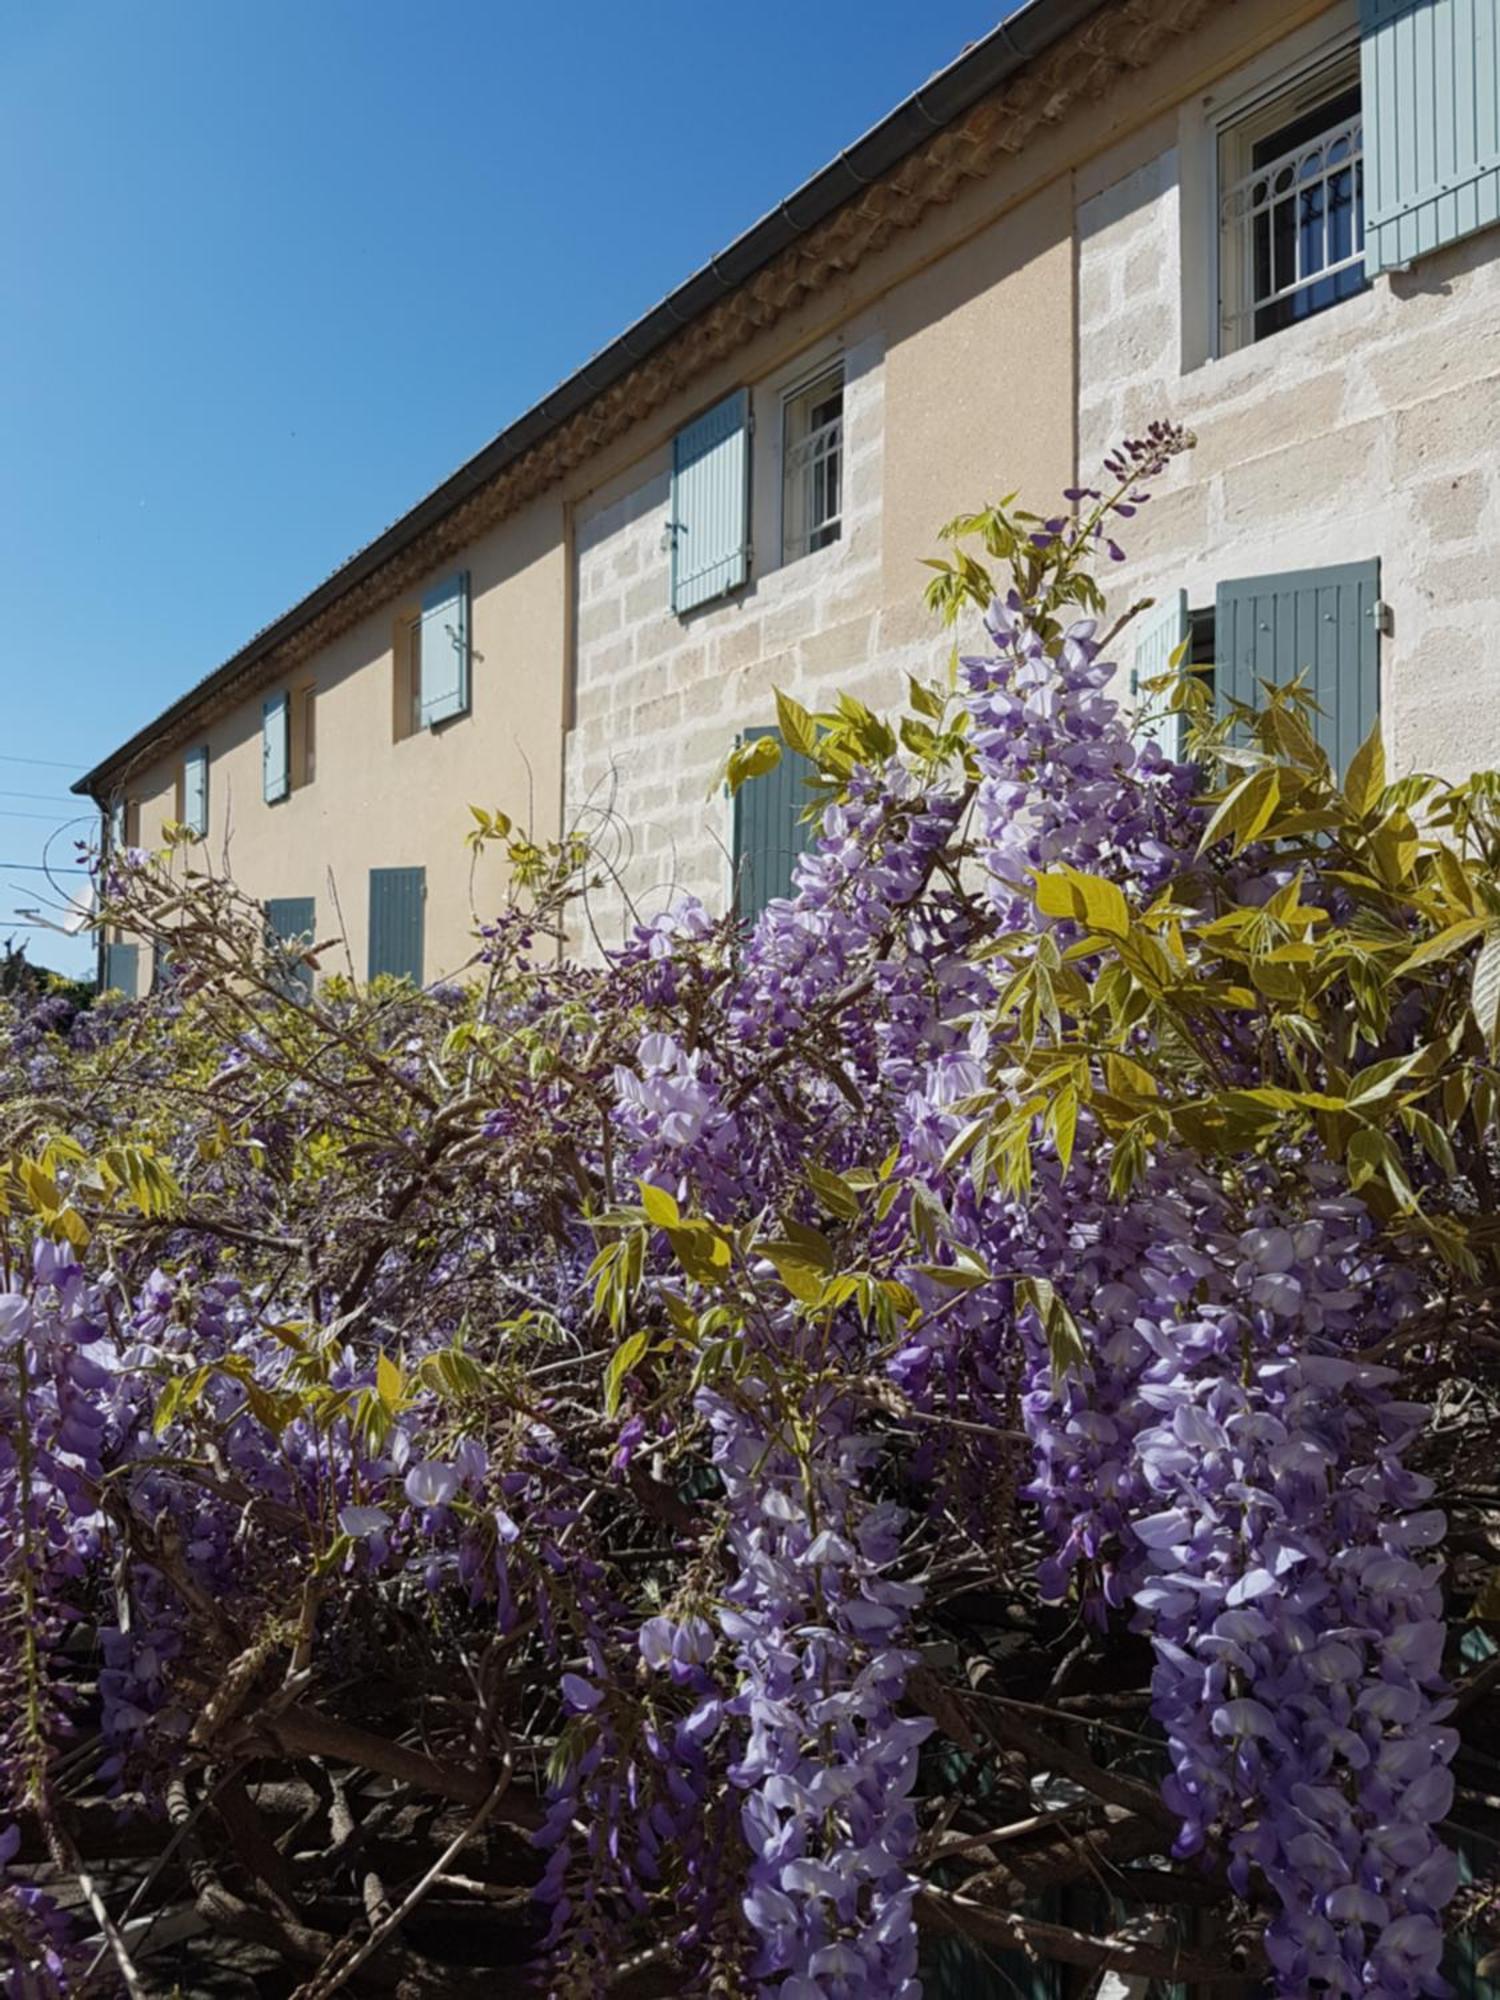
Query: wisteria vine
[{"x": 641, "y": 1366}]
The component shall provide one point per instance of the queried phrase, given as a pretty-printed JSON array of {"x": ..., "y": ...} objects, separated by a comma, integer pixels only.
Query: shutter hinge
[{"x": 1385, "y": 618}]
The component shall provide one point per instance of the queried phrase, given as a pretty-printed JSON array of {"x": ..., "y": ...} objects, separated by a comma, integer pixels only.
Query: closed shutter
[
  {"x": 121, "y": 968},
  {"x": 1317, "y": 622},
  {"x": 1160, "y": 632},
  {"x": 445, "y": 650},
  {"x": 275, "y": 748},
  {"x": 195, "y": 790},
  {"x": 291, "y": 920},
  {"x": 1430, "y": 90},
  {"x": 769, "y": 831},
  {"x": 396, "y": 899},
  {"x": 710, "y": 524},
  {"x": 117, "y": 826}
]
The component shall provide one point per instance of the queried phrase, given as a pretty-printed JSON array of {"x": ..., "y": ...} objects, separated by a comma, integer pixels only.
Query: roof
[{"x": 593, "y": 403}]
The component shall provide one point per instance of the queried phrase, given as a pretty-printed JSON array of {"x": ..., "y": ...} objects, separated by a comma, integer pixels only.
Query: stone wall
[
  {"x": 659, "y": 699},
  {"x": 1372, "y": 429}
]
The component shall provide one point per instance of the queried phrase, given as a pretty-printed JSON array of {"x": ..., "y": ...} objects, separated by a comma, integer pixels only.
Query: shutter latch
[{"x": 1385, "y": 618}]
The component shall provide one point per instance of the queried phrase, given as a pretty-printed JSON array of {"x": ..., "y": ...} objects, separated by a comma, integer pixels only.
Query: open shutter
[
  {"x": 769, "y": 831},
  {"x": 275, "y": 748},
  {"x": 1430, "y": 90},
  {"x": 121, "y": 968},
  {"x": 396, "y": 899},
  {"x": 195, "y": 790},
  {"x": 1160, "y": 631},
  {"x": 292, "y": 920},
  {"x": 1317, "y": 622},
  {"x": 710, "y": 524},
  {"x": 117, "y": 826},
  {"x": 445, "y": 650}
]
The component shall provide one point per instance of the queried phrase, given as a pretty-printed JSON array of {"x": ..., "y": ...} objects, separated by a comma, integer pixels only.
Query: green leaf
[
  {"x": 835, "y": 1193},
  {"x": 1062, "y": 1122},
  {"x": 625, "y": 1357},
  {"x": 1380, "y": 1079},
  {"x": 661, "y": 1207},
  {"x": 1365, "y": 780},
  {"x": 703, "y": 1251},
  {"x": 751, "y": 760},
  {"x": 802, "y": 1279},
  {"x": 1067, "y": 892},
  {"x": 797, "y": 726},
  {"x": 1245, "y": 809},
  {"x": 390, "y": 1383},
  {"x": 1484, "y": 993},
  {"x": 1442, "y": 945}
]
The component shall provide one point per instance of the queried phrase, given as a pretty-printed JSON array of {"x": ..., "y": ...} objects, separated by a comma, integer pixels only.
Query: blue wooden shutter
[
  {"x": 1160, "y": 631},
  {"x": 1318, "y": 622},
  {"x": 1430, "y": 92},
  {"x": 121, "y": 968},
  {"x": 396, "y": 899},
  {"x": 117, "y": 826},
  {"x": 195, "y": 790},
  {"x": 275, "y": 748},
  {"x": 769, "y": 831},
  {"x": 710, "y": 524},
  {"x": 445, "y": 650},
  {"x": 292, "y": 920}
]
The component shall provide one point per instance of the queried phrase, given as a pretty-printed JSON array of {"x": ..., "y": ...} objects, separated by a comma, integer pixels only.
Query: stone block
[
  {"x": 598, "y": 619},
  {"x": 1138, "y": 342},
  {"x": 837, "y": 649},
  {"x": 1296, "y": 414},
  {"x": 1453, "y": 581},
  {"x": 1449, "y": 507},
  {"x": 1308, "y": 478},
  {"x": 738, "y": 645},
  {"x": 1438, "y": 361},
  {"x": 791, "y": 620},
  {"x": 1459, "y": 429},
  {"x": 649, "y": 597}
]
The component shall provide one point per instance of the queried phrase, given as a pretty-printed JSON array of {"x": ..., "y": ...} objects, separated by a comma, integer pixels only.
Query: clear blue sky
[{"x": 272, "y": 268}]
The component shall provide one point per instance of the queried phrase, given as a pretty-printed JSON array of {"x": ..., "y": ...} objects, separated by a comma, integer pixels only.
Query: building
[{"x": 1270, "y": 220}]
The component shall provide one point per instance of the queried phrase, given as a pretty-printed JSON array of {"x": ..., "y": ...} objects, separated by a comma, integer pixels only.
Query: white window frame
[
  {"x": 1259, "y": 107},
  {"x": 803, "y": 387}
]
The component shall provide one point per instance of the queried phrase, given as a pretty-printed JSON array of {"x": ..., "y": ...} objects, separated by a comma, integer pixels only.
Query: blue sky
[{"x": 274, "y": 267}]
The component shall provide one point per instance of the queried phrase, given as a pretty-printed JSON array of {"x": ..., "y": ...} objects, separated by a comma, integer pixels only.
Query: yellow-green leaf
[
  {"x": 661, "y": 1207},
  {"x": 621, "y": 1362},
  {"x": 390, "y": 1383},
  {"x": 1365, "y": 780},
  {"x": 1484, "y": 993},
  {"x": 797, "y": 726}
]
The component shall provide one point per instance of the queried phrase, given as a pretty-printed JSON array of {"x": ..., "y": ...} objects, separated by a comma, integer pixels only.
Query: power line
[
  {"x": 54, "y": 763},
  {"x": 49, "y": 798},
  {"x": 9, "y": 812}
]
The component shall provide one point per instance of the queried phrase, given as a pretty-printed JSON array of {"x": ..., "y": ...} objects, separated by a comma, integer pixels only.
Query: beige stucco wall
[
  {"x": 376, "y": 802},
  {"x": 1371, "y": 430}
]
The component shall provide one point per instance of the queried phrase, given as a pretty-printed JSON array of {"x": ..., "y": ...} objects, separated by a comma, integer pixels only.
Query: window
[
  {"x": 397, "y": 896},
  {"x": 1291, "y": 204},
  {"x": 192, "y": 792},
  {"x": 305, "y": 734},
  {"x": 812, "y": 487},
  {"x": 770, "y": 829},
  {"x": 708, "y": 519},
  {"x": 291, "y": 923},
  {"x": 406, "y": 653},
  {"x": 275, "y": 747},
  {"x": 431, "y": 650}
]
